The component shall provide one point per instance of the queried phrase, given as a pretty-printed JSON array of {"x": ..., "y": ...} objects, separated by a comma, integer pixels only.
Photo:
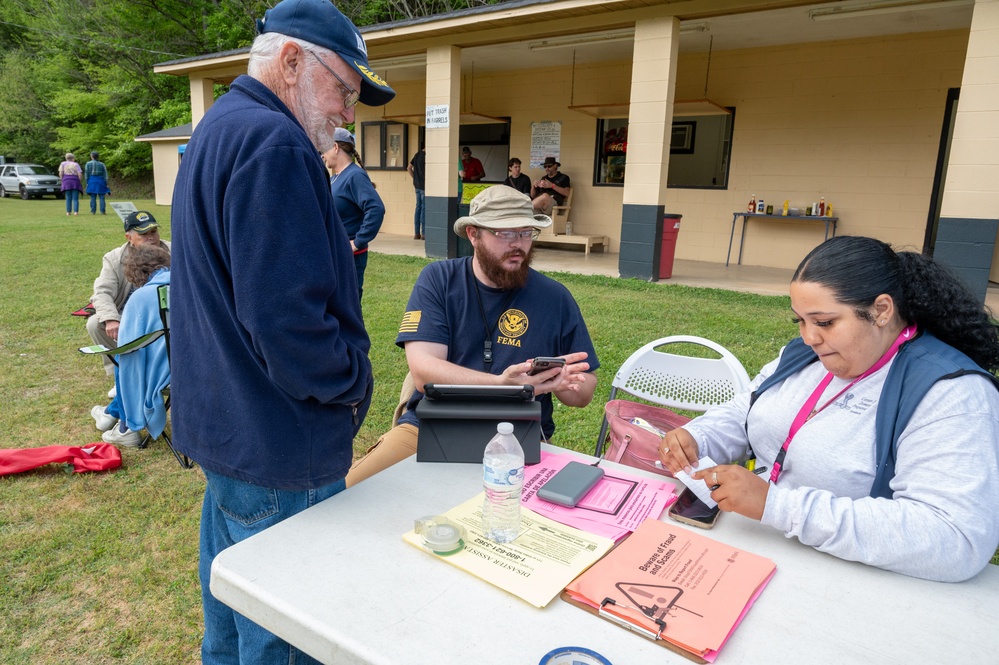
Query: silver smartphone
[
  {"x": 570, "y": 485},
  {"x": 542, "y": 363}
]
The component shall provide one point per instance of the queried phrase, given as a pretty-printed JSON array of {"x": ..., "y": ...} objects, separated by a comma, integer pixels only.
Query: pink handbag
[{"x": 631, "y": 444}]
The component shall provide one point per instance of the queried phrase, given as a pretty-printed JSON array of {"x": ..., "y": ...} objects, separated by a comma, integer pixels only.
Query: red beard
[{"x": 502, "y": 277}]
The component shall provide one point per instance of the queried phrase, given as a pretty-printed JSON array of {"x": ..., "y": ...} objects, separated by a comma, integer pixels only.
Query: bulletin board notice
[{"x": 546, "y": 141}]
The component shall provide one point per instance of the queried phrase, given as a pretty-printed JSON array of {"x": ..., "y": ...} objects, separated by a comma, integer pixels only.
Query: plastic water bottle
[{"x": 503, "y": 480}]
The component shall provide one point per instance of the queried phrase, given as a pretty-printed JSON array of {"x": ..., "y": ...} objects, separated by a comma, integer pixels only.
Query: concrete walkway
[{"x": 750, "y": 279}]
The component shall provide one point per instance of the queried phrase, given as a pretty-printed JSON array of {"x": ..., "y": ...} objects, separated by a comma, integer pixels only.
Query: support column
[
  {"x": 650, "y": 121},
  {"x": 969, "y": 212},
  {"x": 202, "y": 98},
  {"x": 443, "y": 89}
]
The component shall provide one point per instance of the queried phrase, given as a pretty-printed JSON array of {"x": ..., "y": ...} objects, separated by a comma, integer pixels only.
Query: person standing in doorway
[
  {"x": 474, "y": 172},
  {"x": 417, "y": 169},
  {"x": 273, "y": 379},
  {"x": 357, "y": 203},
  {"x": 72, "y": 183},
  {"x": 97, "y": 182}
]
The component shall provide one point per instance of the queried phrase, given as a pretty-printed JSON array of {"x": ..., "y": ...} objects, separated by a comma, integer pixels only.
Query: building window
[
  {"x": 700, "y": 151},
  {"x": 384, "y": 146},
  {"x": 612, "y": 147},
  {"x": 490, "y": 144}
]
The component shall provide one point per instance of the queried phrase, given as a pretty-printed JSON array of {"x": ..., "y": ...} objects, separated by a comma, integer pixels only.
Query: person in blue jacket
[
  {"x": 271, "y": 376},
  {"x": 360, "y": 208},
  {"x": 97, "y": 182},
  {"x": 142, "y": 375}
]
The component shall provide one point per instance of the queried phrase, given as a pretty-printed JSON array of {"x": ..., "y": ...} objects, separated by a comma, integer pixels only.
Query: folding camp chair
[
  {"x": 163, "y": 291},
  {"x": 678, "y": 381}
]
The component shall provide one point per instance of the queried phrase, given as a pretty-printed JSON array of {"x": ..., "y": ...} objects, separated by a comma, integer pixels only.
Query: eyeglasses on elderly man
[{"x": 351, "y": 96}]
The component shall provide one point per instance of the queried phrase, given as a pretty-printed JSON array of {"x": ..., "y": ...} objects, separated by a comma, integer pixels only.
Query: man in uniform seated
[{"x": 482, "y": 319}]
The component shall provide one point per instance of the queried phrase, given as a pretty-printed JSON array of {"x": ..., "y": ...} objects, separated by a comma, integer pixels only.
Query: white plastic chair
[{"x": 675, "y": 381}]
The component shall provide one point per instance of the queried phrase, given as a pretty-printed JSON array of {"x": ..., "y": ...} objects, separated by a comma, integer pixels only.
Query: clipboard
[{"x": 647, "y": 634}]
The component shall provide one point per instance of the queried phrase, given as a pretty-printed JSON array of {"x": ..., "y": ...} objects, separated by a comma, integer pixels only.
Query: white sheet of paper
[{"x": 699, "y": 487}]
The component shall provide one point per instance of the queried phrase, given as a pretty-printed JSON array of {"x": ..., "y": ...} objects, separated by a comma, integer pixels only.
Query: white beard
[{"x": 318, "y": 125}]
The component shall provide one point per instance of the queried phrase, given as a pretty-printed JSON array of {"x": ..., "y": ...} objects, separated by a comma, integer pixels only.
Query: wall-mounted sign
[
  {"x": 546, "y": 141},
  {"x": 438, "y": 116}
]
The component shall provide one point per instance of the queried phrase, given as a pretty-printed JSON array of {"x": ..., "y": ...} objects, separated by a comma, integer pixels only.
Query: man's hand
[
  {"x": 111, "y": 328},
  {"x": 571, "y": 383}
]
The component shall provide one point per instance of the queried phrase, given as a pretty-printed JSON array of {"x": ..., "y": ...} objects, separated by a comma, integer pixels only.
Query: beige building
[{"x": 886, "y": 110}]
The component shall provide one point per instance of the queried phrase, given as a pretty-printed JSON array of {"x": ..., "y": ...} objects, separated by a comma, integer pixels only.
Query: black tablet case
[{"x": 458, "y": 430}]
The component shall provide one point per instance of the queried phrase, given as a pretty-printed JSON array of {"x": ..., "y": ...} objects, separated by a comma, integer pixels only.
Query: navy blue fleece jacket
[{"x": 271, "y": 376}]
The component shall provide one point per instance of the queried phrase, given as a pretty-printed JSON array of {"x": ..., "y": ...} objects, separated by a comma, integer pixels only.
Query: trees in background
[{"x": 77, "y": 75}]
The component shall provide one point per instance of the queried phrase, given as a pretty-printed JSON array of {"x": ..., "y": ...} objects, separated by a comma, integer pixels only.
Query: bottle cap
[{"x": 504, "y": 428}]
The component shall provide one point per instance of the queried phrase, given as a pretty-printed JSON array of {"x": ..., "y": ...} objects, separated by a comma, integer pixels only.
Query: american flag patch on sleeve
[{"x": 410, "y": 322}]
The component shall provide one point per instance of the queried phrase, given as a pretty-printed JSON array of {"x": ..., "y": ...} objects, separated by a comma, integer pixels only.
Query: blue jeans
[
  {"x": 233, "y": 511},
  {"x": 93, "y": 204},
  {"x": 420, "y": 216},
  {"x": 72, "y": 200},
  {"x": 360, "y": 264}
]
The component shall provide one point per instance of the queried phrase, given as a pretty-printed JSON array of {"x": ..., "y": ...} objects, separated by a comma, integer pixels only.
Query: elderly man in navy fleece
[{"x": 271, "y": 377}]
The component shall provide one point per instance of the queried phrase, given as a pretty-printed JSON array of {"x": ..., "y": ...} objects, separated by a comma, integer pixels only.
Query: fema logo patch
[
  {"x": 513, "y": 323},
  {"x": 373, "y": 77}
]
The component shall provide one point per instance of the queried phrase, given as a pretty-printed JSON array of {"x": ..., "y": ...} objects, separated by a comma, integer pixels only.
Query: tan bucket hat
[{"x": 501, "y": 207}]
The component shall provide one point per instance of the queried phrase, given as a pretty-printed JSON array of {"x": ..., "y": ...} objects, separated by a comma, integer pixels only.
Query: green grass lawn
[{"x": 102, "y": 568}]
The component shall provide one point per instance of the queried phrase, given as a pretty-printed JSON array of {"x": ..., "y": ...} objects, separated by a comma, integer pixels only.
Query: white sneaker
[
  {"x": 128, "y": 438},
  {"x": 103, "y": 419},
  {"x": 113, "y": 392}
]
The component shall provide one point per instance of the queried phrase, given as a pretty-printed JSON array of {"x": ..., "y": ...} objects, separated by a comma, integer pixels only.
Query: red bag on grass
[
  {"x": 631, "y": 444},
  {"x": 94, "y": 457}
]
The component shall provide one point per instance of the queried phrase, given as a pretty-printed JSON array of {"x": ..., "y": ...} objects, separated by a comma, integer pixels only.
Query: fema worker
[
  {"x": 271, "y": 377},
  {"x": 482, "y": 319}
]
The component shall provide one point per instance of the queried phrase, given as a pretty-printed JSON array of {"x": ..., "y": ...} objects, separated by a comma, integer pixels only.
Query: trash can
[{"x": 671, "y": 228}]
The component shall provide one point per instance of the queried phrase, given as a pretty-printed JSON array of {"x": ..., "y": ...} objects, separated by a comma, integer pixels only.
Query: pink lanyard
[{"x": 808, "y": 408}]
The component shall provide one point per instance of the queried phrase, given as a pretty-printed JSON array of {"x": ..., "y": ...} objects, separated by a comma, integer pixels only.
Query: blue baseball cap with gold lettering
[
  {"x": 319, "y": 22},
  {"x": 141, "y": 222}
]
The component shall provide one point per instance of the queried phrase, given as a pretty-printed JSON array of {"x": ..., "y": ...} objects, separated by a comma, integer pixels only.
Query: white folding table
[{"x": 338, "y": 581}]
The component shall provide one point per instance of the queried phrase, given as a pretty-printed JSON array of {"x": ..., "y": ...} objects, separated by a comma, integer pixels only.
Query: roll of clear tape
[{"x": 440, "y": 535}]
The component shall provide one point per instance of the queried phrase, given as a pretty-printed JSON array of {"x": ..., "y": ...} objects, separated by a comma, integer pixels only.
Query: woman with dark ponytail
[
  {"x": 878, "y": 426},
  {"x": 357, "y": 203}
]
